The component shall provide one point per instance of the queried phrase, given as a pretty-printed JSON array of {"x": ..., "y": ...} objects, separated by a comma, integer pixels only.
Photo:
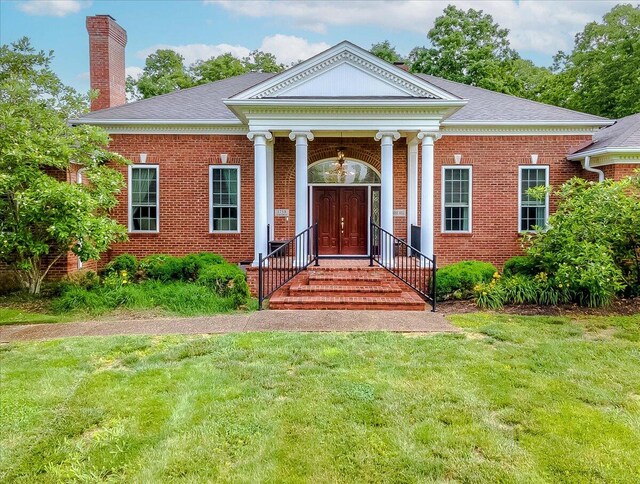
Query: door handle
[{"x": 342, "y": 225}]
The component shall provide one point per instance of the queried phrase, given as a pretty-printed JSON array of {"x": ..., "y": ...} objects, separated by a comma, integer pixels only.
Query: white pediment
[
  {"x": 343, "y": 80},
  {"x": 344, "y": 70}
]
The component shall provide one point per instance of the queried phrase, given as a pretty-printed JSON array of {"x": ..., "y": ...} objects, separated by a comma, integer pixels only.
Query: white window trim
[
  {"x": 442, "y": 204},
  {"x": 546, "y": 198},
  {"x": 129, "y": 185},
  {"x": 225, "y": 167}
]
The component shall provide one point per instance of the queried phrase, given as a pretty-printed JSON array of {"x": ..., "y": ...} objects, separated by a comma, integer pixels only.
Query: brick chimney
[{"x": 106, "y": 61}]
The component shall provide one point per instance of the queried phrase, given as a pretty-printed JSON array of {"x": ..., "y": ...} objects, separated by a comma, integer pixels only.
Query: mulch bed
[{"x": 620, "y": 307}]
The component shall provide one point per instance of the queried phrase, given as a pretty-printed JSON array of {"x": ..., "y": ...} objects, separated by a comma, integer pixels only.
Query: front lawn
[{"x": 527, "y": 399}]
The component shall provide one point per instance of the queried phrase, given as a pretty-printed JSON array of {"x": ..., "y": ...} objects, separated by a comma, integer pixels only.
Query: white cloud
[
  {"x": 53, "y": 8},
  {"x": 194, "y": 52},
  {"x": 133, "y": 71},
  {"x": 534, "y": 25},
  {"x": 286, "y": 48}
]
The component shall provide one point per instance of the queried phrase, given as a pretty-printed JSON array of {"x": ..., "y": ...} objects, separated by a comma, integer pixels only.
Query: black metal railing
[
  {"x": 406, "y": 263},
  {"x": 286, "y": 261}
]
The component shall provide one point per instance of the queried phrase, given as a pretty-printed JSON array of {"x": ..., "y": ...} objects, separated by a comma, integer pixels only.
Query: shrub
[
  {"x": 125, "y": 262},
  {"x": 521, "y": 264},
  {"x": 85, "y": 279},
  {"x": 519, "y": 289},
  {"x": 165, "y": 268},
  {"x": 460, "y": 279},
  {"x": 592, "y": 242},
  {"x": 489, "y": 295},
  {"x": 227, "y": 280}
]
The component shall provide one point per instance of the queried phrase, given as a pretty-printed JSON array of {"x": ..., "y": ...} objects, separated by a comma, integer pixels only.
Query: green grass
[
  {"x": 18, "y": 316},
  {"x": 76, "y": 303},
  {"x": 512, "y": 399}
]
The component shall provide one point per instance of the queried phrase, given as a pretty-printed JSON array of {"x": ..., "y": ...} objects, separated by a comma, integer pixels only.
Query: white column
[
  {"x": 259, "y": 139},
  {"x": 270, "y": 187},
  {"x": 386, "y": 139},
  {"x": 412, "y": 186},
  {"x": 302, "y": 205},
  {"x": 426, "y": 195}
]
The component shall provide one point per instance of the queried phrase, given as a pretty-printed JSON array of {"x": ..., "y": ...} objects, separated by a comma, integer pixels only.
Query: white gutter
[
  {"x": 587, "y": 166},
  {"x": 528, "y": 123},
  {"x": 603, "y": 151}
]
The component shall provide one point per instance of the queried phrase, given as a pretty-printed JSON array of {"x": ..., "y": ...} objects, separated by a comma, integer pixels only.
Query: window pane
[
  {"x": 224, "y": 198},
  {"x": 533, "y": 211},
  {"x": 457, "y": 187},
  {"x": 144, "y": 210}
]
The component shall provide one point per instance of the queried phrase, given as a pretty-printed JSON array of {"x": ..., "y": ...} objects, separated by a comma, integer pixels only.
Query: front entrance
[{"x": 341, "y": 213}]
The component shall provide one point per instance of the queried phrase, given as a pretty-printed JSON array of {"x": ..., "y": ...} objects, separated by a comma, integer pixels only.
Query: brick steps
[{"x": 361, "y": 288}]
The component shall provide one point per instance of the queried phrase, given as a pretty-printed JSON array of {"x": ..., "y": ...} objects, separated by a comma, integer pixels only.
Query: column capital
[
  {"x": 294, "y": 135},
  {"x": 429, "y": 135},
  {"x": 385, "y": 134},
  {"x": 264, "y": 134}
]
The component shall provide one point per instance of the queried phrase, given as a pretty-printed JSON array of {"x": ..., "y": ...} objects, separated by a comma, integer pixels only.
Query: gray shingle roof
[
  {"x": 485, "y": 105},
  {"x": 200, "y": 102},
  {"x": 205, "y": 102},
  {"x": 624, "y": 134}
]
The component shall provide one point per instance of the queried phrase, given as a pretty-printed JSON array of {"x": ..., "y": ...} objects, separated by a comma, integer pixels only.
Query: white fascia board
[
  {"x": 133, "y": 122},
  {"x": 595, "y": 123},
  {"x": 604, "y": 151},
  {"x": 350, "y": 102}
]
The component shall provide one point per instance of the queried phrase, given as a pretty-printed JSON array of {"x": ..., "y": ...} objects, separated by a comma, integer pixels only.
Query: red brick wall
[
  {"x": 617, "y": 172},
  {"x": 184, "y": 162},
  {"x": 106, "y": 61},
  {"x": 495, "y": 162}
]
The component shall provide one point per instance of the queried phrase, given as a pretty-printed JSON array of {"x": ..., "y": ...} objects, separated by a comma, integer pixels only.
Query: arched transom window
[{"x": 351, "y": 172}]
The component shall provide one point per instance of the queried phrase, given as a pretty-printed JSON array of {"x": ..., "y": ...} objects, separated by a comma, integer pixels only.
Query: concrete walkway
[{"x": 305, "y": 321}]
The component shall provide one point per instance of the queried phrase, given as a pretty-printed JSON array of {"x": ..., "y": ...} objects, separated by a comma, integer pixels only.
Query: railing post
[
  {"x": 371, "y": 241},
  {"x": 260, "y": 288},
  {"x": 316, "y": 243},
  {"x": 433, "y": 285}
]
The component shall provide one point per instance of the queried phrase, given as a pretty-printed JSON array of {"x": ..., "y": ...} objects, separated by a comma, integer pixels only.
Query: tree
[
  {"x": 163, "y": 72},
  {"x": 217, "y": 68},
  {"x": 259, "y": 61},
  {"x": 532, "y": 81},
  {"x": 42, "y": 216},
  {"x": 602, "y": 74},
  {"x": 386, "y": 51},
  {"x": 468, "y": 47}
]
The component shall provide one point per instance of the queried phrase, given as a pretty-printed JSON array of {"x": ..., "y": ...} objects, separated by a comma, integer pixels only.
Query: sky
[{"x": 291, "y": 30}]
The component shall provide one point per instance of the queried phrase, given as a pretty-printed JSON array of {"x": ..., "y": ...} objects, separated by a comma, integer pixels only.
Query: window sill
[{"x": 457, "y": 234}]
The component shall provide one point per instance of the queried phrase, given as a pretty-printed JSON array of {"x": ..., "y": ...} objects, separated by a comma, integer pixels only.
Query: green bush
[
  {"x": 85, "y": 279},
  {"x": 227, "y": 280},
  {"x": 519, "y": 289},
  {"x": 163, "y": 267},
  {"x": 123, "y": 263},
  {"x": 521, "y": 264},
  {"x": 489, "y": 295},
  {"x": 458, "y": 280}
]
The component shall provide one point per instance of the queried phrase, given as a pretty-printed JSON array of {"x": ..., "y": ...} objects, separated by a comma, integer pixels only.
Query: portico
[{"x": 345, "y": 93}]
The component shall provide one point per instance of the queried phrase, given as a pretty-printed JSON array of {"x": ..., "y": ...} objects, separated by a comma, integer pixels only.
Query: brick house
[{"x": 337, "y": 139}]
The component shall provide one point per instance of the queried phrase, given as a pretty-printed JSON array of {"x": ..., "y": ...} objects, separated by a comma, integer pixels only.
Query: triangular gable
[{"x": 345, "y": 70}]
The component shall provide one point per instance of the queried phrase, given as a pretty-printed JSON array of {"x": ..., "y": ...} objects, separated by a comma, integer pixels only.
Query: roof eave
[{"x": 604, "y": 151}]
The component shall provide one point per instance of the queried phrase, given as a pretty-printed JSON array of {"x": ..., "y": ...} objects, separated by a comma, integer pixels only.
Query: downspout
[{"x": 587, "y": 167}]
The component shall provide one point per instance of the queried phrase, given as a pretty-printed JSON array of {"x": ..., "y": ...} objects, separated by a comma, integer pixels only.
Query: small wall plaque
[
  {"x": 282, "y": 212},
  {"x": 399, "y": 212}
]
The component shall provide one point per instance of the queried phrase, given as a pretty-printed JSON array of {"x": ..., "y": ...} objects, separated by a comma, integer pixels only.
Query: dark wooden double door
[{"x": 341, "y": 213}]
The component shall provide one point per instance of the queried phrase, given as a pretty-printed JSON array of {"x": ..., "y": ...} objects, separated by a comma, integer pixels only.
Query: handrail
[
  {"x": 286, "y": 261},
  {"x": 403, "y": 261}
]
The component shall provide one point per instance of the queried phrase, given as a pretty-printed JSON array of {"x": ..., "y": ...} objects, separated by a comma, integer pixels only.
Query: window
[
  {"x": 456, "y": 199},
  {"x": 143, "y": 199},
  {"x": 533, "y": 212},
  {"x": 225, "y": 198}
]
